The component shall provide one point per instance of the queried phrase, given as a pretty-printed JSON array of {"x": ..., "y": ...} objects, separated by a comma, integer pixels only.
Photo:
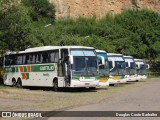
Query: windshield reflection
[
  {"x": 104, "y": 70},
  {"x": 142, "y": 70},
  {"x": 131, "y": 70},
  {"x": 84, "y": 65},
  {"x": 119, "y": 68}
]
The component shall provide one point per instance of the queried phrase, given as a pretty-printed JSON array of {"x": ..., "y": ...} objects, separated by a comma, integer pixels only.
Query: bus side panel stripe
[
  {"x": 27, "y": 75},
  {"x": 17, "y": 69},
  {"x": 21, "y": 68},
  {"x": 23, "y": 75},
  {"x": 25, "y": 68},
  {"x": 28, "y": 68}
]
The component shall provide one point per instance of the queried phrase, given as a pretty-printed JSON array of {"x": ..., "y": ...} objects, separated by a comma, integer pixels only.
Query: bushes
[{"x": 133, "y": 32}]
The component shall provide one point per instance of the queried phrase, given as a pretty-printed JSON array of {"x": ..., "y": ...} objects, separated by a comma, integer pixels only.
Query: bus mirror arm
[
  {"x": 147, "y": 66},
  {"x": 113, "y": 65},
  {"x": 70, "y": 59}
]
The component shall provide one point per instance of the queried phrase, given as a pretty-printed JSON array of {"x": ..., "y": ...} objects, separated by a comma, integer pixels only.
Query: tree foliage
[
  {"x": 133, "y": 32},
  {"x": 20, "y": 22}
]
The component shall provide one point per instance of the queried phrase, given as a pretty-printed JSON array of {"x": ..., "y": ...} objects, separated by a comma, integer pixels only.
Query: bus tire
[
  {"x": 55, "y": 85},
  {"x": 13, "y": 82},
  {"x": 1, "y": 81},
  {"x": 19, "y": 83},
  {"x": 111, "y": 84},
  {"x": 92, "y": 88}
]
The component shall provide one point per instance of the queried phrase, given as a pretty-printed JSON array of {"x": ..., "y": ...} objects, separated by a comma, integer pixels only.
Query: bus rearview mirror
[
  {"x": 147, "y": 66},
  {"x": 101, "y": 60}
]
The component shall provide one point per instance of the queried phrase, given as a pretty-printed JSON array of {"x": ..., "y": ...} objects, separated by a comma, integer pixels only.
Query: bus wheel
[
  {"x": 55, "y": 85},
  {"x": 111, "y": 84},
  {"x": 13, "y": 82},
  {"x": 92, "y": 88},
  {"x": 1, "y": 81},
  {"x": 19, "y": 83}
]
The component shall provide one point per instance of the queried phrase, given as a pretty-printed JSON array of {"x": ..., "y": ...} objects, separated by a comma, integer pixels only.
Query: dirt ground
[{"x": 41, "y": 99}]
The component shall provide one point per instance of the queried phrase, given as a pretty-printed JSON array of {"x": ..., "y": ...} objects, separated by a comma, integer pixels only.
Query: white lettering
[
  {"x": 136, "y": 114},
  {"x": 46, "y": 68},
  {"x": 123, "y": 115}
]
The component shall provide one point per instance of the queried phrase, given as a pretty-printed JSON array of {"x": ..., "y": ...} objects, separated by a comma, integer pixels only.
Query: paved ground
[{"x": 142, "y": 98}]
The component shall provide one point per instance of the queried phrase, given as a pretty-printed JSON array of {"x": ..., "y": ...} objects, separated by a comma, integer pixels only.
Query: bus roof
[
  {"x": 45, "y": 48},
  {"x": 128, "y": 56},
  {"x": 114, "y": 54},
  {"x": 138, "y": 60},
  {"x": 101, "y": 51}
]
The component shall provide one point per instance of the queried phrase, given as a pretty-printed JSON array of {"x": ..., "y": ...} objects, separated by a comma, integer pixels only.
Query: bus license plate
[{"x": 86, "y": 83}]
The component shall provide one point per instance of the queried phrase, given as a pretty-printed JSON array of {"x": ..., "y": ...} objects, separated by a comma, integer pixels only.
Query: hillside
[{"x": 99, "y": 8}]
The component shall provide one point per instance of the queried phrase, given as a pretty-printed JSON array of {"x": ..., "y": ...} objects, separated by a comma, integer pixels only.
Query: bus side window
[
  {"x": 38, "y": 58},
  {"x": 1, "y": 61},
  {"x": 45, "y": 57},
  {"x": 33, "y": 60},
  {"x": 54, "y": 56},
  {"x": 24, "y": 59},
  {"x": 10, "y": 60},
  {"x": 13, "y": 59},
  {"x": 6, "y": 60},
  {"x": 19, "y": 60},
  {"x": 27, "y": 59}
]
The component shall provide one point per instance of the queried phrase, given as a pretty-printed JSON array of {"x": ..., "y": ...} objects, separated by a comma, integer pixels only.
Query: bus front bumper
[
  {"x": 113, "y": 81},
  {"x": 89, "y": 83},
  {"x": 141, "y": 77},
  {"x": 131, "y": 78}
]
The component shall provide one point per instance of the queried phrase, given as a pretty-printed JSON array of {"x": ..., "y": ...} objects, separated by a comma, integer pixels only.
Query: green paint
[
  {"x": 27, "y": 75},
  {"x": 34, "y": 68},
  {"x": 121, "y": 77},
  {"x": 25, "y": 68},
  {"x": 42, "y": 68},
  {"x": 11, "y": 69},
  {"x": 16, "y": 69}
]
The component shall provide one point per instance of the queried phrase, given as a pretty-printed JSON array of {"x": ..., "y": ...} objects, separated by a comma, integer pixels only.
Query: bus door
[{"x": 65, "y": 65}]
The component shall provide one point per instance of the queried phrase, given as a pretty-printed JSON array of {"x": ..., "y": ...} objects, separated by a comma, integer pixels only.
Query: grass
[
  {"x": 154, "y": 76},
  {"x": 50, "y": 100},
  {"x": 36, "y": 99}
]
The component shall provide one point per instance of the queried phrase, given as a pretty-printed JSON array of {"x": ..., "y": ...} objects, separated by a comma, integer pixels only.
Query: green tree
[{"x": 41, "y": 10}]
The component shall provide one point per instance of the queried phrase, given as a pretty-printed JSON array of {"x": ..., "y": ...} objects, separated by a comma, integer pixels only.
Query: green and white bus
[
  {"x": 141, "y": 69},
  {"x": 130, "y": 68},
  {"x": 117, "y": 68},
  {"x": 103, "y": 68},
  {"x": 52, "y": 66}
]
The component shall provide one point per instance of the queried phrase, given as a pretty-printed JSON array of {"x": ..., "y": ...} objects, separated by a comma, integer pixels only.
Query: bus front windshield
[
  {"x": 119, "y": 68},
  {"x": 130, "y": 66},
  {"x": 103, "y": 69},
  {"x": 84, "y": 62},
  {"x": 143, "y": 70}
]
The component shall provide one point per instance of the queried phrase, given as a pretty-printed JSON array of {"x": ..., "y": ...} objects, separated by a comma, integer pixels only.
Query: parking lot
[{"x": 143, "y": 95}]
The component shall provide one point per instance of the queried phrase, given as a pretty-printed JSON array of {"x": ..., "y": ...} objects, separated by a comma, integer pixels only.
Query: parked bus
[
  {"x": 1, "y": 70},
  {"x": 130, "y": 68},
  {"x": 103, "y": 68},
  {"x": 117, "y": 68},
  {"x": 52, "y": 66},
  {"x": 141, "y": 69}
]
